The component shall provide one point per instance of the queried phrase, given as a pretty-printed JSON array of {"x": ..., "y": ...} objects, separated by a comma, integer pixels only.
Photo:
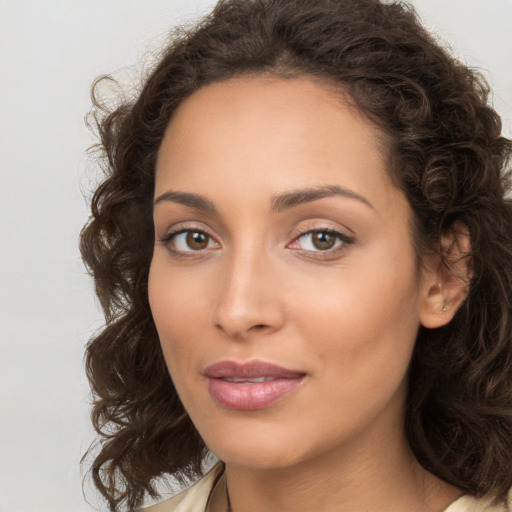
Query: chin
[
  {"x": 257, "y": 447},
  {"x": 258, "y": 458}
]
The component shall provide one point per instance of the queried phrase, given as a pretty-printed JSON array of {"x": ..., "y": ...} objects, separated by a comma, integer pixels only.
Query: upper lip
[{"x": 249, "y": 370}]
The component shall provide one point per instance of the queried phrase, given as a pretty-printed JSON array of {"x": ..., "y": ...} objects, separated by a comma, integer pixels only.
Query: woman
[{"x": 303, "y": 248}]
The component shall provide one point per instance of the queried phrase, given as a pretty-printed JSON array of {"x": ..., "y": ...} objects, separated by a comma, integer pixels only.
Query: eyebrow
[
  {"x": 279, "y": 203},
  {"x": 291, "y": 199},
  {"x": 192, "y": 200}
]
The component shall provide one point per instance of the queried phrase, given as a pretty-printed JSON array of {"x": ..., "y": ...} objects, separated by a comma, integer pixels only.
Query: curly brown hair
[{"x": 446, "y": 154}]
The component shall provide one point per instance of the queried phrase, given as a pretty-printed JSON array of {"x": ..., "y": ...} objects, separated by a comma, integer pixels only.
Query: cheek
[
  {"x": 364, "y": 324},
  {"x": 176, "y": 306}
]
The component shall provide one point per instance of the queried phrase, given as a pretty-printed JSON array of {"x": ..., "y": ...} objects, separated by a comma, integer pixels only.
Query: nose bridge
[{"x": 248, "y": 298}]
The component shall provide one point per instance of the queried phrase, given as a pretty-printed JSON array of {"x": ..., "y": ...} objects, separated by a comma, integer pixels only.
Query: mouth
[
  {"x": 250, "y": 386},
  {"x": 254, "y": 380}
]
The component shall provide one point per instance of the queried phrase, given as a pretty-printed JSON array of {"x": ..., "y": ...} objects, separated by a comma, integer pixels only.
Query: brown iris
[
  {"x": 323, "y": 240},
  {"x": 196, "y": 240}
]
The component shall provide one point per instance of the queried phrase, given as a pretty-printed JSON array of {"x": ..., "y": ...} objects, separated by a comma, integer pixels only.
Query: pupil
[
  {"x": 197, "y": 241},
  {"x": 323, "y": 240}
]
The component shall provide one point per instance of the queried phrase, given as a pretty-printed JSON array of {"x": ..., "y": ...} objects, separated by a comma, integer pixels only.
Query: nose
[{"x": 249, "y": 298}]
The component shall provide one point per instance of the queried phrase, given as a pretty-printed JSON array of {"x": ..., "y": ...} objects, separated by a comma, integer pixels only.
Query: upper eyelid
[
  {"x": 184, "y": 227},
  {"x": 321, "y": 230},
  {"x": 320, "y": 223},
  {"x": 344, "y": 231}
]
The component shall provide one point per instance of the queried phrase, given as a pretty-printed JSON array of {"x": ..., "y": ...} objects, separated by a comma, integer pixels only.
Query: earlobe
[{"x": 446, "y": 277}]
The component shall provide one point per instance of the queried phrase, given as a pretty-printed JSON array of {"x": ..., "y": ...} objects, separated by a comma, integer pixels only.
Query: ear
[{"x": 446, "y": 276}]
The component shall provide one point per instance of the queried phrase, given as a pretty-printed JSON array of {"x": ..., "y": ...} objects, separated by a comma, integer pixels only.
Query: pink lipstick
[{"x": 250, "y": 386}]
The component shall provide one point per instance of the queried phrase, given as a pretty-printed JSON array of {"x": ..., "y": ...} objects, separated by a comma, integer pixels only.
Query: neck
[{"x": 375, "y": 474}]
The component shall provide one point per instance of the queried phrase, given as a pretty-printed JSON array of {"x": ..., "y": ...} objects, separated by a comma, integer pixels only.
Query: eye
[
  {"x": 321, "y": 240},
  {"x": 189, "y": 240}
]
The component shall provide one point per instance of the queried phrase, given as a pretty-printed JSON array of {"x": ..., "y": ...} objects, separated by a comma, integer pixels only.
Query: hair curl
[{"x": 446, "y": 154}]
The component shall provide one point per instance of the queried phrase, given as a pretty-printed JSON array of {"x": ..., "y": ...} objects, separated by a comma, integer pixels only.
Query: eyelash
[
  {"x": 169, "y": 237},
  {"x": 328, "y": 253}
]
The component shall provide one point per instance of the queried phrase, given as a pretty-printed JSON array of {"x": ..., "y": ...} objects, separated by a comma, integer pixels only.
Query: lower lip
[{"x": 247, "y": 396}]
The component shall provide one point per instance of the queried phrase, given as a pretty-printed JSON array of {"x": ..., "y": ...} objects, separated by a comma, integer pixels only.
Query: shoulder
[
  {"x": 193, "y": 499},
  {"x": 470, "y": 504}
]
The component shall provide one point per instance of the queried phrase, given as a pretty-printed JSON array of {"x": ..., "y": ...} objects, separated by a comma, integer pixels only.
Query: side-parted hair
[{"x": 445, "y": 153}]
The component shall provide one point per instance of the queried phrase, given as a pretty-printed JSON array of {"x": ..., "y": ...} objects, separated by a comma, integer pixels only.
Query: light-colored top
[{"x": 209, "y": 494}]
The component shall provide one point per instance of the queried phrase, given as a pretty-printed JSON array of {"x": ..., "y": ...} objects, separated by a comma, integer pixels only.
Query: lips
[{"x": 250, "y": 386}]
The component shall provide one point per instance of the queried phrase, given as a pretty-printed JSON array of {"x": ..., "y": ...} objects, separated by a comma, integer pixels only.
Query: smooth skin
[{"x": 280, "y": 238}]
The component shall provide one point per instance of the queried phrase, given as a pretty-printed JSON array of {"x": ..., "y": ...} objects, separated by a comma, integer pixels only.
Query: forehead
[{"x": 262, "y": 130}]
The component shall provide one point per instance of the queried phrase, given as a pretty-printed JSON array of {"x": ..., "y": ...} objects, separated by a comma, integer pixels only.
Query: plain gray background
[{"x": 50, "y": 51}]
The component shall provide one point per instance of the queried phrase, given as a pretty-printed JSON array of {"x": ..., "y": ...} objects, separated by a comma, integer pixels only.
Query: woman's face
[{"x": 284, "y": 285}]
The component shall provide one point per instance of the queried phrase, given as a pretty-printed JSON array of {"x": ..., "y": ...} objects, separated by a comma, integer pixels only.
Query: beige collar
[{"x": 210, "y": 494}]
